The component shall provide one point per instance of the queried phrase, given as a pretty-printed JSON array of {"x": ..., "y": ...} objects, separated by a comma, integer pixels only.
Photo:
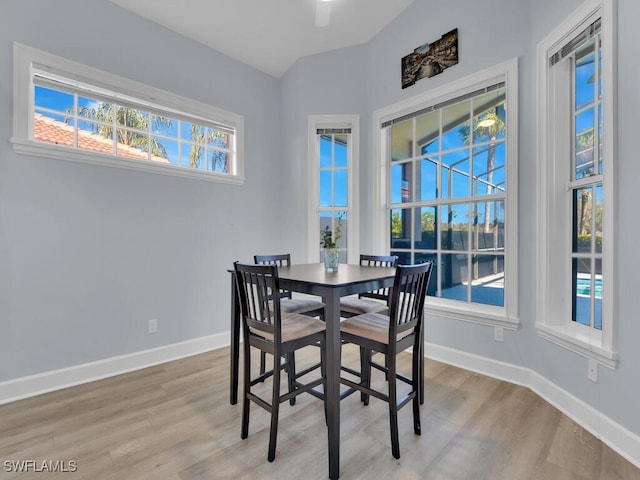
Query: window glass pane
[
  {"x": 599, "y": 43},
  {"x": 489, "y": 169},
  {"x": 192, "y": 132},
  {"x": 584, "y": 143},
  {"x": 428, "y": 222},
  {"x": 218, "y": 161},
  {"x": 325, "y": 151},
  {"x": 52, "y": 128},
  {"x": 165, "y": 126},
  {"x": 402, "y": 141},
  {"x": 401, "y": 228},
  {"x": 400, "y": 182},
  {"x": 52, "y": 99},
  {"x": 95, "y": 109},
  {"x": 191, "y": 155},
  {"x": 340, "y": 149},
  {"x": 455, "y": 276},
  {"x": 325, "y": 188},
  {"x": 455, "y": 227},
  {"x": 131, "y": 117},
  {"x": 404, "y": 258},
  {"x": 600, "y": 158},
  {"x": 455, "y": 125},
  {"x": 583, "y": 219},
  {"x": 597, "y": 295},
  {"x": 585, "y": 74},
  {"x": 432, "y": 289},
  {"x": 428, "y": 132},
  {"x": 583, "y": 282},
  {"x": 428, "y": 172},
  {"x": 170, "y": 150},
  {"x": 455, "y": 172},
  {"x": 96, "y": 138},
  {"x": 488, "y": 226},
  {"x": 487, "y": 286},
  {"x": 489, "y": 117},
  {"x": 340, "y": 186},
  {"x": 598, "y": 217},
  {"x": 217, "y": 138}
]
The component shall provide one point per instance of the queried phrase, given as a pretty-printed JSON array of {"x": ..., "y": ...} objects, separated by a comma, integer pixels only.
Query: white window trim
[
  {"x": 507, "y": 316},
  {"x": 353, "y": 238},
  {"x": 562, "y": 331},
  {"x": 25, "y": 57}
]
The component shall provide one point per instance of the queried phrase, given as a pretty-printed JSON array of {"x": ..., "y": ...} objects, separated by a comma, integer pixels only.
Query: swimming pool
[{"x": 583, "y": 287}]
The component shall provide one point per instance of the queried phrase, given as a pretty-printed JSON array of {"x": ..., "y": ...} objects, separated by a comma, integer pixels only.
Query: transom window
[{"x": 70, "y": 106}]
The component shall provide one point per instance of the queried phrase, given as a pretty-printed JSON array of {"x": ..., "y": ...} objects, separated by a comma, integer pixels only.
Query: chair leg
[
  {"x": 417, "y": 384},
  {"x": 244, "y": 431},
  {"x": 365, "y": 372},
  {"x": 291, "y": 375},
  {"x": 263, "y": 363},
  {"x": 275, "y": 408},
  {"x": 393, "y": 406}
]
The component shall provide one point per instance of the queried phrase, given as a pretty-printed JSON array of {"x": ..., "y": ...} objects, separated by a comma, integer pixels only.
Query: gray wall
[
  {"x": 491, "y": 32},
  {"x": 89, "y": 254}
]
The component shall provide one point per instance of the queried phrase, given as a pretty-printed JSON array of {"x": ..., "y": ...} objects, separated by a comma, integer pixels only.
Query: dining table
[{"x": 313, "y": 279}]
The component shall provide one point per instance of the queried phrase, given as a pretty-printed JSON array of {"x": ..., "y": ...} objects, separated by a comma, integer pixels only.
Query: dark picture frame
[{"x": 430, "y": 59}]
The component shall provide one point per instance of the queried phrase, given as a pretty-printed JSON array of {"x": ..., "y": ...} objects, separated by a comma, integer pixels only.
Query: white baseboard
[
  {"x": 619, "y": 438},
  {"x": 32, "y": 385}
]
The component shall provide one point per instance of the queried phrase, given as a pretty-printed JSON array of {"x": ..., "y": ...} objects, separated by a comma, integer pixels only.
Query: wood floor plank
[{"x": 174, "y": 422}]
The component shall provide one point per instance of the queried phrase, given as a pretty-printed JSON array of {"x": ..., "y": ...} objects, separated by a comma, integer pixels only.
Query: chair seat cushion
[
  {"x": 300, "y": 305},
  {"x": 294, "y": 326},
  {"x": 358, "y": 306},
  {"x": 373, "y": 326}
]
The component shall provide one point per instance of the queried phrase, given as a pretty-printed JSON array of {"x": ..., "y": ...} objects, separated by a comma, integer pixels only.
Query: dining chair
[
  {"x": 268, "y": 329},
  {"x": 288, "y": 304},
  {"x": 392, "y": 334},
  {"x": 375, "y": 301}
]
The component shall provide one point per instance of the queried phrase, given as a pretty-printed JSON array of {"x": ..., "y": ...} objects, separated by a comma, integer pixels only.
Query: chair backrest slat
[
  {"x": 259, "y": 309},
  {"x": 407, "y": 297},
  {"x": 281, "y": 260},
  {"x": 378, "y": 261}
]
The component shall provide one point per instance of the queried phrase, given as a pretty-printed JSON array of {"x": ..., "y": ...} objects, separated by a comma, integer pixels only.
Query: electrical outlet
[
  {"x": 592, "y": 374},
  {"x": 153, "y": 325},
  {"x": 498, "y": 333}
]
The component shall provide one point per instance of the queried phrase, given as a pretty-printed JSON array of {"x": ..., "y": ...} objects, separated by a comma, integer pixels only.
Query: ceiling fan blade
[{"x": 323, "y": 12}]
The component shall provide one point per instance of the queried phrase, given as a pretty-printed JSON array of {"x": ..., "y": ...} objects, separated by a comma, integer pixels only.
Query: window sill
[
  {"x": 30, "y": 147},
  {"x": 480, "y": 314},
  {"x": 576, "y": 342}
]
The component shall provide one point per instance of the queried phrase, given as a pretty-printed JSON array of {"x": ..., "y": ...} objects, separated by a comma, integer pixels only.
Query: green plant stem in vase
[{"x": 329, "y": 241}]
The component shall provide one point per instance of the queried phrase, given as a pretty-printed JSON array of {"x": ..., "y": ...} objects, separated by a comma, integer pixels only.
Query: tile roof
[{"x": 46, "y": 129}]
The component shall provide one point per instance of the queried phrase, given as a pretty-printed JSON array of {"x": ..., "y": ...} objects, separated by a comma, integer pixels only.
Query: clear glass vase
[{"x": 331, "y": 259}]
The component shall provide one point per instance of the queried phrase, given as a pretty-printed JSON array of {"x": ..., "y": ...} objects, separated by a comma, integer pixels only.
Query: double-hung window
[
  {"x": 576, "y": 172},
  {"x": 449, "y": 169},
  {"x": 333, "y": 155},
  {"x": 70, "y": 111}
]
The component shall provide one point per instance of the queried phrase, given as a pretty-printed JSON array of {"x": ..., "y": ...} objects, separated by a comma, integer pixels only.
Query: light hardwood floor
[{"x": 174, "y": 422}]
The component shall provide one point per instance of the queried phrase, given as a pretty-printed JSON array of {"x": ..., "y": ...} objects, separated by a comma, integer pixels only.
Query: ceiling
[{"x": 270, "y": 35}]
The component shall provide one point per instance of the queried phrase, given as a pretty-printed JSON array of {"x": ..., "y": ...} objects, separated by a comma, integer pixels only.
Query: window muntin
[
  {"x": 447, "y": 189},
  {"x": 69, "y": 111}
]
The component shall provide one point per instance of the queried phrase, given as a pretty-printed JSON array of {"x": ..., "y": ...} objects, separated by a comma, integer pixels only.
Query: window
[
  {"x": 70, "y": 111},
  {"x": 450, "y": 170},
  {"x": 333, "y": 157},
  {"x": 577, "y": 167}
]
